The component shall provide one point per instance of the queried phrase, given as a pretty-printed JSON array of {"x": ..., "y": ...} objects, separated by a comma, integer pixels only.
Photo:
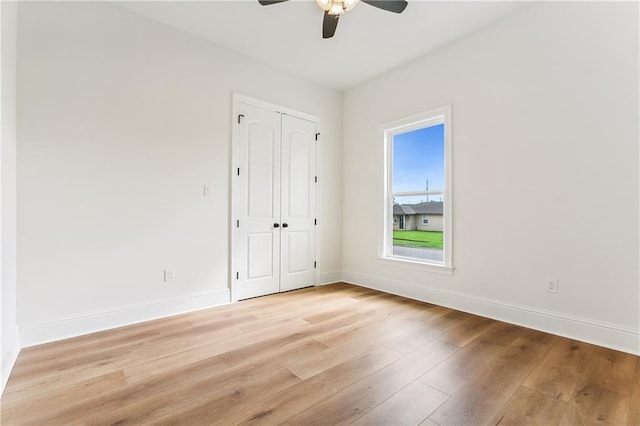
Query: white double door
[{"x": 275, "y": 202}]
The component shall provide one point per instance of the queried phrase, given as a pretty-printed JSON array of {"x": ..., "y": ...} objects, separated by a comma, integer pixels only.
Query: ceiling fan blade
[
  {"x": 329, "y": 25},
  {"x": 270, "y": 2},
  {"x": 395, "y": 6}
]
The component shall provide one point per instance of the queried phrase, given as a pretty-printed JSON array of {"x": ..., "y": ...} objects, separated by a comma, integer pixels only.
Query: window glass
[
  {"x": 418, "y": 160},
  {"x": 411, "y": 238}
]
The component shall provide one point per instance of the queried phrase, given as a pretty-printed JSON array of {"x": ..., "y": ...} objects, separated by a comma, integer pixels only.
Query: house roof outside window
[{"x": 430, "y": 207}]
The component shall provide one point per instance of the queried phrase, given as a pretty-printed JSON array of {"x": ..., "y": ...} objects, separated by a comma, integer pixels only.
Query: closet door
[
  {"x": 298, "y": 207},
  {"x": 275, "y": 202},
  {"x": 257, "y": 254}
]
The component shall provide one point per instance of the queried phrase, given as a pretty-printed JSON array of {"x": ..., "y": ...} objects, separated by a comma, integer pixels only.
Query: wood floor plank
[
  {"x": 277, "y": 407},
  {"x": 306, "y": 367},
  {"x": 502, "y": 333},
  {"x": 395, "y": 410},
  {"x": 339, "y": 308},
  {"x": 362, "y": 337},
  {"x": 356, "y": 400},
  {"x": 130, "y": 346},
  {"x": 209, "y": 379},
  {"x": 284, "y": 348},
  {"x": 613, "y": 370},
  {"x": 236, "y": 349},
  {"x": 558, "y": 373},
  {"x": 51, "y": 352},
  {"x": 32, "y": 390},
  {"x": 434, "y": 327},
  {"x": 47, "y": 350},
  {"x": 603, "y": 392},
  {"x": 217, "y": 394},
  {"x": 481, "y": 398},
  {"x": 379, "y": 333},
  {"x": 13, "y": 412},
  {"x": 530, "y": 407},
  {"x": 163, "y": 363},
  {"x": 334, "y": 354},
  {"x": 594, "y": 404},
  {"x": 104, "y": 404},
  {"x": 134, "y": 359},
  {"x": 290, "y": 301},
  {"x": 468, "y": 330},
  {"x": 454, "y": 372},
  {"x": 634, "y": 408}
]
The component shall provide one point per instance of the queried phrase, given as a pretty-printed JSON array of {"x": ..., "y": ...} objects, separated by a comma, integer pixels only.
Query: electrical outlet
[
  {"x": 169, "y": 275},
  {"x": 552, "y": 285}
]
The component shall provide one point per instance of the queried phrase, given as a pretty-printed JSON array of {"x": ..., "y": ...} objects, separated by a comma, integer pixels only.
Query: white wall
[
  {"x": 545, "y": 150},
  {"x": 9, "y": 346},
  {"x": 121, "y": 122}
]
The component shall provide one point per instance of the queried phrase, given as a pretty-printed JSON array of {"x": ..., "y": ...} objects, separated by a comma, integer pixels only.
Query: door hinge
[
  {"x": 240, "y": 116},
  {"x": 237, "y": 275},
  {"x": 238, "y": 171},
  {"x": 317, "y": 134},
  {"x": 315, "y": 221},
  {"x": 316, "y": 179},
  {"x": 238, "y": 223},
  {"x": 315, "y": 264}
]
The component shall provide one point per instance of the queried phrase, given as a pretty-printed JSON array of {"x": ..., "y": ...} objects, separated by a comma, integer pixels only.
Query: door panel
[
  {"x": 260, "y": 256},
  {"x": 260, "y": 173},
  {"x": 298, "y": 203},
  {"x": 298, "y": 261},
  {"x": 300, "y": 174},
  {"x": 257, "y": 254}
]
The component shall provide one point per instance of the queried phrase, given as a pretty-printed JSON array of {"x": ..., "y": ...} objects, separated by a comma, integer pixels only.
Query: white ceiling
[{"x": 368, "y": 41}]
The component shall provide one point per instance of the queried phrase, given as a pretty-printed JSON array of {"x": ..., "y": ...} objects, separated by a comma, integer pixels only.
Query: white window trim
[
  {"x": 424, "y": 216},
  {"x": 418, "y": 121}
]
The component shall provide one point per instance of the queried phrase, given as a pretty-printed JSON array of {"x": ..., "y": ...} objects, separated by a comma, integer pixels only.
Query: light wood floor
[{"x": 331, "y": 355}]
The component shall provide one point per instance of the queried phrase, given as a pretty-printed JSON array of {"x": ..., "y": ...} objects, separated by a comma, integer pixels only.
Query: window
[{"x": 418, "y": 189}]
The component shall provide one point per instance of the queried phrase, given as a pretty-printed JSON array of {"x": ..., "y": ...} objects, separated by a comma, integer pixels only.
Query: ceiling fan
[{"x": 334, "y": 8}]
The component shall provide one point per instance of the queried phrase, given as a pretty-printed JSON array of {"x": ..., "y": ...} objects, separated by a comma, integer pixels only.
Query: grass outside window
[{"x": 429, "y": 239}]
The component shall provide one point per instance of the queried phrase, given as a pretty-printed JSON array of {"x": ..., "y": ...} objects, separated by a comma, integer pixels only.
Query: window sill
[{"x": 414, "y": 264}]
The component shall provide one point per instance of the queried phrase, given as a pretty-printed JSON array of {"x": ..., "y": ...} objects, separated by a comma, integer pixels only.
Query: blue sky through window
[{"x": 418, "y": 156}]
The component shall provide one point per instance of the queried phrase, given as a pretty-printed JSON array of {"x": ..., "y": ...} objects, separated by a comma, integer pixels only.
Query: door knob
[
  {"x": 285, "y": 225},
  {"x": 276, "y": 225}
]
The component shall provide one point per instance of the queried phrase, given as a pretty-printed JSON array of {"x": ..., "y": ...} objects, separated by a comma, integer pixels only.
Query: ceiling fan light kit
[
  {"x": 337, "y": 7},
  {"x": 333, "y": 9}
]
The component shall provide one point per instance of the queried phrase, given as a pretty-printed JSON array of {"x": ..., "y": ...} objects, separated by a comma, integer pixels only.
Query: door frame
[{"x": 237, "y": 99}]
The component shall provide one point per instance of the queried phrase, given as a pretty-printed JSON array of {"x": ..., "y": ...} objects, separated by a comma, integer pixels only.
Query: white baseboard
[
  {"x": 330, "y": 277},
  {"x": 598, "y": 333},
  {"x": 7, "y": 366},
  {"x": 49, "y": 331}
]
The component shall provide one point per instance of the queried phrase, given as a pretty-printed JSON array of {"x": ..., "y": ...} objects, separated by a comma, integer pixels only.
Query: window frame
[
  {"x": 429, "y": 118},
  {"x": 425, "y": 219}
]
